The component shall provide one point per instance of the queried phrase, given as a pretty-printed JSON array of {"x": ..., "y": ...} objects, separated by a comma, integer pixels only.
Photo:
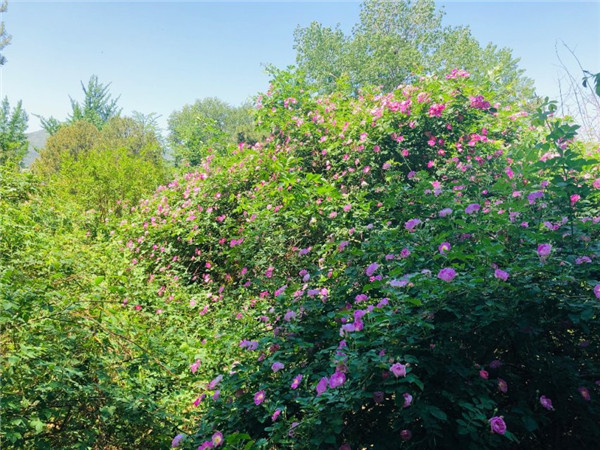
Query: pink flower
[
  {"x": 275, "y": 415},
  {"x": 371, "y": 269},
  {"x": 597, "y": 290},
  {"x": 259, "y": 397},
  {"x": 213, "y": 384},
  {"x": 444, "y": 247},
  {"x": 296, "y": 381},
  {"x": 348, "y": 207},
  {"x": 407, "y": 400},
  {"x": 484, "y": 374},
  {"x": 277, "y": 366},
  {"x": 399, "y": 370},
  {"x": 497, "y": 425},
  {"x": 447, "y": 274},
  {"x": 322, "y": 385},
  {"x": 194, "y": 366},
  {"x": 575, "y": 198},
  {"x": 337, "y": 379},
  {"x": 205, "y": 445},
  {"x": 502, "y": 385},
  {"x": 217, "y": 438},
  {"x": 405, "y": 253},
  {"x": 546, "y": 403},
  {"x": 501, "y": 274},
  {"x": 406, "y": 435},
  {"x": 585, "y": 393},
  {"x": 596, "y": 183}
]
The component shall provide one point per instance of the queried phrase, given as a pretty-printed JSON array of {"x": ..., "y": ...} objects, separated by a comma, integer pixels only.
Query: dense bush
[{"x": 412, "y": 268}]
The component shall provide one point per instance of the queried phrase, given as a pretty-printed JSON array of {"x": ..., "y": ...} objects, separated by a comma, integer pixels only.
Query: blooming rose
[
  {"x": 497, "y": 425},
  {"x": 399, "y": 370},
  {"x": 447, "y": 274},
  {"x": 546, "y": 402}
]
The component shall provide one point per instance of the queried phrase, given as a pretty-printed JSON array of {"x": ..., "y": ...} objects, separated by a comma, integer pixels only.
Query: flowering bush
[{"x": 413, "y": 268}]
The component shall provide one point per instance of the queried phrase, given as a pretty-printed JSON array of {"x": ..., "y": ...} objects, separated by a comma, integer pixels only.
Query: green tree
[
  {"x": 397, "y": 41},
  {"x": 5, "y": 38},
  {"x": 98, "y": 107},
  {"x": 208, "y": 125},
  {"x": 13, "y": 124}
]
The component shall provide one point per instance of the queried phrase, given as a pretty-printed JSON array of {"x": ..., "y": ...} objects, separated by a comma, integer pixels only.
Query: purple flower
[
  {"x": 213, "y": 384},
  {"x": 447, "y": 274},
  {"x": 259, "y": 397},
  {"x": 502, "y": 385},
  {"x": 345, "y": 446},
  {"x": 378, "y": 397},
  {"x": 407, "y": 400},
  {"x": 337, "y": 379},
  {"x": 206, "y": 445},
  {"x": 217, "y": 438},
  {"x": 177, "y": 440},
  {"x": 289, "y": 316},
  {"x": 277, "y": 366},
  {"x": 322, "y": 386},
  {"x": 501, "y": 274},
  {"x": 473, "y": 207},
  {"x": 194, "y": 366},
  {"x": 546, "y": 403},
  {"x": 583, "y": 260},
  {"x": 497, "y": 425},
  {"x": 597, "y": 290},
  {"x": 444, "y": 247},
  {"x": 296, "y": 381},
  {"x": 405, "y": 253},
  {"x": 371, "y": 269},
  {"x": 399, "y": 370},
  {"x": 411, "y": 224},
  {"x": 445, "y": 212},
  {"x": 534, "y": 196}
]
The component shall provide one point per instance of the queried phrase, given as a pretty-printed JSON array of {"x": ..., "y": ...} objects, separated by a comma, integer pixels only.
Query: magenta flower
[
  {"x": 205, "y": 445},
  {"x": 405, "y": 253},
  {"x": 275, "y": 415},
  {"x": 406, "y": 435},
  {"x": 544, "y": 250},
  {"x": 259, "y": 397},
  {"x": 337, "y": 379},
  {"x": 399, "y": 370},
  {"x": 217, "y": 438},
  {"x": 497, "y": 425},
  {"x": 444, "y": 247},
  {"x": 546, "y": 403},
  {"x": 296, "y": 381},
  {"x": 596, "y": 183},
  {"x": 447, "y": 274},
  {"x": 213, "y": 384},
  {"x": 484, "y": 374},
  {"x": 575, "y": 198},
  {"x": 502, "y": 385},
  {"x": 277, "y": 366},
  {"x": 597, "y": 291},
  {"x": 501, "y": 274},
  {"x": 369, "y": 271},
  {"x": 322, "y": 386},
  {"x": 407, "y": 400}
]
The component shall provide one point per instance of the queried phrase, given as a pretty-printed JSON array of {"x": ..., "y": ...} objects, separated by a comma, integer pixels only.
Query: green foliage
[
  {"x": 13, "y": 124},
  {"x": 97, "y": 108},
  {"x": 395, "y": 43},
  {"x": 209, "y": 125}
]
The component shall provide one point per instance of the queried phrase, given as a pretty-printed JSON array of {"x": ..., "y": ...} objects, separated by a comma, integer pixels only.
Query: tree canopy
[
  {"x": 13, "y": 124},
  {"x": 395, "y": 42}
]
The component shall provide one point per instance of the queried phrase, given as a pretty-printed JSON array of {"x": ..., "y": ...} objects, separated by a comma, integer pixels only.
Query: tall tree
[
  {"x": 13, "y": 124},
  {"x": 398, "y": 41},
  {"x": 209, "y": 124},
  {"x": 5, "y": 38},
  {"x": 98, "y": 107}
]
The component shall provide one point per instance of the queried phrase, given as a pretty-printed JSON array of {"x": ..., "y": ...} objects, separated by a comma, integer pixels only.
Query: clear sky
[{"x": 161, "y": 56}]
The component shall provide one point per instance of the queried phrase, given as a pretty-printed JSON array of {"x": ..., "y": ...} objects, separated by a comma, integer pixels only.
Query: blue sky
[{"x": 160, "y": 56}]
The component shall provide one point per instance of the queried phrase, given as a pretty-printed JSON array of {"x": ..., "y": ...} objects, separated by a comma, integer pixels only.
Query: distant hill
[{"x": 37, "y": 140}]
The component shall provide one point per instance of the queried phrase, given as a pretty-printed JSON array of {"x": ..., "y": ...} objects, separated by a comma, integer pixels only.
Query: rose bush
[{"x": 349, "y": 281}]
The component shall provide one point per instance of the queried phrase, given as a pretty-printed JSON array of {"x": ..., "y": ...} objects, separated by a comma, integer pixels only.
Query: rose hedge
[{"x": 414, "y": 268}]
